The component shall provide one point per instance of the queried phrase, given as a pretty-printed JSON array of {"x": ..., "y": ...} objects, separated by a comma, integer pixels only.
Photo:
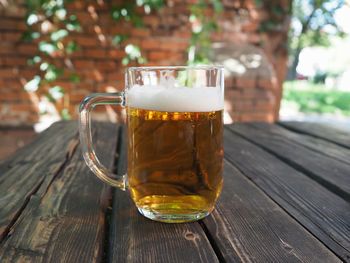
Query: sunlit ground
[{"x": 305, "y": 101}]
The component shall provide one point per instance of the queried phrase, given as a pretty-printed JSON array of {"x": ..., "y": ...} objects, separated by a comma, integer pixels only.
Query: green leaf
[
  {"x": 34, "y": 60},
  {"x": 60, "y": 34},
  {"x": 29, "y": 36},
  {"x": 125, "y": 61},
  {"x": 56, "y": 92},
  {"x": 46, "y": 47},
  {"x": 44, "y": 66},
  {"x": 74, "y": 77},
  {"x": 61, "y": 13},
  {"x": 72, "y": 47},
  {"x": 132, "y": 51},
  {"x": 73, "y": 24},
  {"x": 32, "y": 19},
  {"x": 141, "y": 60},
  {"x": 119, "y": 39},
  {"x": 217, "y": 6},
  {"x": 52, "y": 73},
  {"x": 33, "y": 84},
  {"x": 65, "y": 114}
]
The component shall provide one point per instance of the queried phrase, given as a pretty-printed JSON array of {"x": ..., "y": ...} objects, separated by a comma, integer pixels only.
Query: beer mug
[{"x": 174, "y": 123}]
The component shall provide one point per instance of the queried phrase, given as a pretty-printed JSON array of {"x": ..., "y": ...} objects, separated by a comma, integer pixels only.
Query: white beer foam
[{"x": 175, "y": 99}]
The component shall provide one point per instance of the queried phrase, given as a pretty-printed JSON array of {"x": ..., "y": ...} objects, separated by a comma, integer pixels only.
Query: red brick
[
  {"x": 24, "y": 107},
  {"x": 85, "y": 86},
  {"x": 249, "y": 93},
  {"x": 75, "y": 5},
  {"x": 17, "y": 11},
  {"x": 7, "y": 23},
  {"x": 186, "y": 34},
  {"x": 33, "y": 118},
  {"x": 264, "y": 105},
  {"x": 10, "y": 96},
  {"x": 248, "y": 117},
  {"x": 249, "y": 4},
  {"x": 162, "y": 55},
  {"x": 174, "y": 46},
  {"x": 110, "y": 87},
  {"x": 106, "y": 65},
  {"x": 116, "y": 53},
  {"x": 140, "y": 32},
  {"x": 8, "y": 73},
  {"x": 87, "y": 41},
  {"x": 249, "y": 27},
  {"x": 13, "y": 85},
  {"x": 84, "y": 16},
  {"x": 245, "y": 83},
  {"x": 66, "y": 85},
  {"x": 96, "y": 53},
  {"x": 115, "y": 76},
  {"x": 84, "y": 64},
  {"x": 94, "y": 75},
  {"x": 16, "y": 61},
  {"x": 151, "y": 20},
  {"x": 115, "y": 30},
  {"x": 27, "y": 49},
  {"x": 77, "y": 97},
  {"x": 28, "y": 73},
  {"x": 264, "y": 83},
  {"x": 77, "y": 54},
  {"x": 147, "y": 44},
  {"x": 232, "y": 94},
  {"x": 15, "y": 117},
  {"x": 242, "y": 105},
  {"x": 254, "y": 38},
  {"x": 12, "y": 36}
]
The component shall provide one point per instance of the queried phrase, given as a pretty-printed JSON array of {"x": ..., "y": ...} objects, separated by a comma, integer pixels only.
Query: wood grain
[
  {"x": 332, "y": 173},
  {"x": 316, "y": 144},
  {"x": 33, "y": 166},
  {"x": 66, "y": 221},
  {"x": 249, "y": 223},
  {"x": 321, "y": 130},
  {"x": 321, "y": 212},
  {"x": 135, "y": 238}
]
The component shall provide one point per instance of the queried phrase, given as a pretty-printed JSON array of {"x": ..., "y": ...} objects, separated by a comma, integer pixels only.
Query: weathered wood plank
[
  {"x": 332, "y": 173},
  {"x": 248, "y": 222},
  {"x": 135, "y": 238},
  {"x": 321, "y": 212},
  {"x": 321, "y": 130},
  {"x": 66, "y": 221},
  {"x": 313, "y": 143},
  {"x": 35, "y": 165}
]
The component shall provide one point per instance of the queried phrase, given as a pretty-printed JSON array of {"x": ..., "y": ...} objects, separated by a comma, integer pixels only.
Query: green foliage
[
  {"x": 126, "y": 12},
  {"x": 53, "y": 14},
  {"x": 313, "y": 22},
  {"x": 49, "y": 24},
  {"x": 314, "y": 98},
  {"x": 200, "y": 50}
]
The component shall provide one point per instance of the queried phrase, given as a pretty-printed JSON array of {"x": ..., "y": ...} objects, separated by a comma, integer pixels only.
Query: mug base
[{"x": 171, "y": 218}]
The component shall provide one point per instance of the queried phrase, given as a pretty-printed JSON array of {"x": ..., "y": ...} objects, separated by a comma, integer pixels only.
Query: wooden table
[{"x": 285, "y": 199}]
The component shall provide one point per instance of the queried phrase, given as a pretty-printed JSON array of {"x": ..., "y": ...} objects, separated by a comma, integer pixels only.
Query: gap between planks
[{"x": 73, "y": 144}]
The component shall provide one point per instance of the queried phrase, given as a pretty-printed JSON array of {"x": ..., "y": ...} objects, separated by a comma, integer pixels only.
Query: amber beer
[{"x": 174, "y": 161}]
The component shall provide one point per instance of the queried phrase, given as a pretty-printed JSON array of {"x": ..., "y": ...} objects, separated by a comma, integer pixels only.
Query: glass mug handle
[{"x": 86, "y": 138}]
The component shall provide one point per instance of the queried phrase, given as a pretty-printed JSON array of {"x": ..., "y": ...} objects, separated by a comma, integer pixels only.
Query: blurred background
[{"x": 283, "y": 59}]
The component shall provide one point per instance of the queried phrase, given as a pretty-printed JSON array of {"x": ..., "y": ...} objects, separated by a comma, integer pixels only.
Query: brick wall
[{"x": 163, "y": 42}]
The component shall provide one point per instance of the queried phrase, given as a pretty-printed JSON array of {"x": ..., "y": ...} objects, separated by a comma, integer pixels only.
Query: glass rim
[{"x": 198, "y": 67}]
